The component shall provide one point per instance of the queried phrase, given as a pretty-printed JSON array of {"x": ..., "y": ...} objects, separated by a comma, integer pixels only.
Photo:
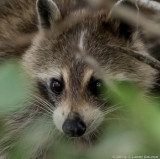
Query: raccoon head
[{"x": 66, "y": 80}]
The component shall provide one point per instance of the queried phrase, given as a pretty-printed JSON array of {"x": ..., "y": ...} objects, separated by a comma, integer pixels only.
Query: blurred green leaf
[
  {"x": 136, "y": 133},
  {"x": 14, "y": 86}
]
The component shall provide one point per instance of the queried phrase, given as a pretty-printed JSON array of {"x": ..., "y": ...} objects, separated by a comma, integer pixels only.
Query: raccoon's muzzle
[{"x": 74, "y": 126}]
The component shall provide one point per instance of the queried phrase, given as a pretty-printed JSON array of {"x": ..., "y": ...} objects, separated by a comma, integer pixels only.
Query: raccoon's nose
[{"x": 74, "y": 127}]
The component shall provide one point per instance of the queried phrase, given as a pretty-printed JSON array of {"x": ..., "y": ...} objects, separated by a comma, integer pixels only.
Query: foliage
[{"x": 133, "y": 131}]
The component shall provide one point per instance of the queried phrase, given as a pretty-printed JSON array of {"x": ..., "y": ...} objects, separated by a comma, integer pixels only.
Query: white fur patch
[
  {"x": 60, "y": 115},
  {"x": 81, "y": 40}
]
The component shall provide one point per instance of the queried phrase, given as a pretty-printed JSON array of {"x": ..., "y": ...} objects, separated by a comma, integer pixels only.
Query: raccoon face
[{"x": 66, "y": 80}]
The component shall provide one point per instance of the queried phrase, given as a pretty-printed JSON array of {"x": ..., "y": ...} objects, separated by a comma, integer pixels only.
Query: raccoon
[{"x": 60, "y": 39}]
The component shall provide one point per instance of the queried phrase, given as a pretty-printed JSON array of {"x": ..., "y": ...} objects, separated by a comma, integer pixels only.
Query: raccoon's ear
[
  {"x": 48, "y": 13},
  {"x": 120, "y": 26}
]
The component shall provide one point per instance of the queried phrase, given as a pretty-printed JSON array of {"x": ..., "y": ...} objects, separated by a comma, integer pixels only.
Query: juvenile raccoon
[{"x": 61, "y": 76}]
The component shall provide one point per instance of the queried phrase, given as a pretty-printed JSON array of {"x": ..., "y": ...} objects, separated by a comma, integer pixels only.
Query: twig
[
  {"x": 140, "y": 57},
  {"x": 128, "y": 15},
  {"x": 150, "y": 4}
]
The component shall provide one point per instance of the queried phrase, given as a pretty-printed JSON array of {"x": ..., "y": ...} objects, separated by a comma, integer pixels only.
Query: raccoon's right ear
[
  {"x": 118, "y": 25},
  {"x": 48, "y": 13}
]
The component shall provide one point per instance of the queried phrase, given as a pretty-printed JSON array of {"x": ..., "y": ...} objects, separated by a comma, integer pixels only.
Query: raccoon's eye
[
  {"x": 95, "y": 86},
  {"x": 56, "y": 86}
]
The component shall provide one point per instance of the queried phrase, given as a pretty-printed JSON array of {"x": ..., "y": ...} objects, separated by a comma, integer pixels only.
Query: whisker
[
  {"x": 49, "y": 105},
  {"x": 40, "y": 98},
  {"x": 47, "y": 115},
  {"x": 43, "y": 103},
  {"x": 42, "y": 107},
  {"x": 92, "y": 125},
  {"x": 37, "y": 103},
  {"x": 112, "y": 109},
  {"x": 112, "y": 119}
]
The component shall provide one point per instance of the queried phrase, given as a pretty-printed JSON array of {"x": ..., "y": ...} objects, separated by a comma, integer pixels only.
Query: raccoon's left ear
[
  {"x": 48, "y": 13},
  {"x": 118, "y": 25}
]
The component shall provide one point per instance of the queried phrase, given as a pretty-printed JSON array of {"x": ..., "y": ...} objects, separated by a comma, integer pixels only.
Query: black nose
[{"x": 74, "y": 127}]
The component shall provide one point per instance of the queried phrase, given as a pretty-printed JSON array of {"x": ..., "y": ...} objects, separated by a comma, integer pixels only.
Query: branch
[{"x": 140, "y": 57}]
